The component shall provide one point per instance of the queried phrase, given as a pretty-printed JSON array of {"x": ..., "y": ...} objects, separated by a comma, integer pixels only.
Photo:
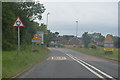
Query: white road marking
[
  {"x": 57, "y": 58},
  {"x": 86, "y": 66},
  {"x": 95, "y": 68},
  {"x": 52, "y": 58}
]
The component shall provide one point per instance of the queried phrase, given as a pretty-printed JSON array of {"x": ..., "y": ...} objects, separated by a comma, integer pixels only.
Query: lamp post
[
  {"x": 76, "y": 28},
  {"x": 47, "y": 20}
]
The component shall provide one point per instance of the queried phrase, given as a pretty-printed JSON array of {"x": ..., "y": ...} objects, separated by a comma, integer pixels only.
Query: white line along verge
[
  {"x": 86, "y": 66},
  {"x": 96, "y": 69}
]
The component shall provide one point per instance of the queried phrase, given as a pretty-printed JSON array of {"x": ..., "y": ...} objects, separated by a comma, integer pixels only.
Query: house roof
[
  {"x": 74, "y": 41},
  {"x": 60, "y": 40}
]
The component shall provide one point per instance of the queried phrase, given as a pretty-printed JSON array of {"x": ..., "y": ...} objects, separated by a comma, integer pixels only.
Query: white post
[
  {"x": 18, "y": 39},
  {"x": 76, "y": 28}
]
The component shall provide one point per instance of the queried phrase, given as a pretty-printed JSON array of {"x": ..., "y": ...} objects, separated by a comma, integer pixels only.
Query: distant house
[
  {"x": 59, "y": 40},
  {"x": 73, "y": 42},
  {"x": 63, "y": 40}
]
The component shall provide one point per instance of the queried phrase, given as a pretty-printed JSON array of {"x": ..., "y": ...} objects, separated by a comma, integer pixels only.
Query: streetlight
[
  {"x": 47, "y": 20},
  {"x": 76, "y": 28}
]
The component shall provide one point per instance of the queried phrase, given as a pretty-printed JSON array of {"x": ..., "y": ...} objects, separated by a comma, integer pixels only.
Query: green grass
[
  {"x": 14, "y": 64},
  {"x": 98, "y": 52},
  {"x": 0, "y": 64}
]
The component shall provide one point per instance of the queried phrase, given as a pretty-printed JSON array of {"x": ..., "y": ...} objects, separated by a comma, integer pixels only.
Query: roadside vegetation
[
  {"x": 94, "y": 45},
  {"x": 98, "y": 52},
  {"x": 14, "y": 63}
]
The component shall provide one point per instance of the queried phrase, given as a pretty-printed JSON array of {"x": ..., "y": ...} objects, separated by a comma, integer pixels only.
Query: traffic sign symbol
[
  {"x": 45, "y": 33},
  {"x": 18, "y": 23}
]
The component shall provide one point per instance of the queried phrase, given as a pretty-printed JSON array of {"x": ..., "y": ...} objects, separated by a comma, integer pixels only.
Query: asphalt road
[{"x": 66, "y": 63}]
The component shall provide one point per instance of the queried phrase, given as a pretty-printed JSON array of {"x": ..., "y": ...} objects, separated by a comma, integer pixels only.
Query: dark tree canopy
[
  {"x": 28, "y": 12},
  {"x": 86, "y": 39}
]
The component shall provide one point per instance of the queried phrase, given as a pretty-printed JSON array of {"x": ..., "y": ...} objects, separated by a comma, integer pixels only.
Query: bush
[
  {"x": 79, "y": 46},
  {"x": 92, "y": 46}
]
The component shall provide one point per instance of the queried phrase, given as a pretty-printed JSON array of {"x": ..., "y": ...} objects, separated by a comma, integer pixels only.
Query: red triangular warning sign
[{"x": 18, "y": 23}]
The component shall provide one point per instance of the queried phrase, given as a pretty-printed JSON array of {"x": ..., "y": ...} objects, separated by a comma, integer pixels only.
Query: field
[
  {"x": 14, "y": 64},
  {"x": 98, "y": 52}
]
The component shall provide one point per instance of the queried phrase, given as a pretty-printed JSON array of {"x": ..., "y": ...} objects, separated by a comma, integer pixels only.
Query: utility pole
[
  {"x": 47, "y": 20},
  {"x": 76, "y": 28},
  {"x": 47, "y": 25}
]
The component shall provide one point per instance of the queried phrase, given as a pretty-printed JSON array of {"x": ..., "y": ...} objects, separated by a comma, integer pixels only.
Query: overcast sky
[{"x": 91, "y": 16}]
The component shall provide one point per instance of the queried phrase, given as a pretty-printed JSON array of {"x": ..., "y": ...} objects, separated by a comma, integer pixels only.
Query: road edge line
[{"x": 95, "y": 73}]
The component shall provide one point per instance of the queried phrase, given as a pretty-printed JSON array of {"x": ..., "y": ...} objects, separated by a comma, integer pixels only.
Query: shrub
[{"x": 92, "y": 46}]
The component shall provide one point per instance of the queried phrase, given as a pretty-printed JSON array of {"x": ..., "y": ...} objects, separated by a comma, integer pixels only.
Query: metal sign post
[
  {"x": 18, "y": 23},
  {"x": 18, "y": 39}
]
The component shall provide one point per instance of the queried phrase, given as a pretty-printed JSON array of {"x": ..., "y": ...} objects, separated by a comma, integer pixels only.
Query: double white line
[{"x": 91, "y": 68}]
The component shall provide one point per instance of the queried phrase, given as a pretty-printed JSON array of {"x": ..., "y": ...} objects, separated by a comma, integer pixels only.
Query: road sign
[
  {"x": 18, "y": 23},
  {"x": 108, "y": 44},
  {"x": 45, "y": 33},
  {"x": 36, "y": 39},
  {"x": 41, "y": 36}
]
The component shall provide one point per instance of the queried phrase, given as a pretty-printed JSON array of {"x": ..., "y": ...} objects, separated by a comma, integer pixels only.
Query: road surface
[{"x": 66, "y": 63}]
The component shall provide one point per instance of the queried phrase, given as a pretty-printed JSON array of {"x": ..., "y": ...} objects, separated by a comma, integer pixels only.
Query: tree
[
  {"x": 9, "y": 36},
  {"x": 28, "y": 12},
  {"x": 56, "y": 34},
  {"x": 86, "y": 39},
  {"x": 68, "y": 37},
  {"x": 97, "y": 37},
  {"x": 116, "y": 41}
]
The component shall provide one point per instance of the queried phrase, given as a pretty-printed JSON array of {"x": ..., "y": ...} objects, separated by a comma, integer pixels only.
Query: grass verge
[
  {"x": 98, "y": 52},
  {"x": 14, "y": 64},
  {"x": 0, "y": 64}
]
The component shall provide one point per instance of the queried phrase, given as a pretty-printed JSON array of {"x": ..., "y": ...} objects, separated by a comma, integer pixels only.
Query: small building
[
  {"x": 75, "y": 41},
  {"x": 59, "y": 40}
]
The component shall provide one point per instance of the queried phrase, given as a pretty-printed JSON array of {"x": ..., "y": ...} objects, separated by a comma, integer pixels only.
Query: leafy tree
[
  {"x": 28, "y": 12},
  {"x": 56, "y": 34},
  {"x": 86, "y": 39},
  {"x": 9, "y": 36},
  {"x": 47, "y": 37},
  {"x": 97, "y": 37},
  {"x": 68, "y": 37},
  {"x": 116, "y": 41},
  {"x": 92, "y": 46}
]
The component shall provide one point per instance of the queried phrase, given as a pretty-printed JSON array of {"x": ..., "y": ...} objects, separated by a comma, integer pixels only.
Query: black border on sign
[{"x": 15, "y": 21}]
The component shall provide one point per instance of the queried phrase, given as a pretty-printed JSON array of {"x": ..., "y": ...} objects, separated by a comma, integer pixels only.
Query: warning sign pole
[
  {"x": 18, "y": 23},
  {"x": 18, "y": 39}
]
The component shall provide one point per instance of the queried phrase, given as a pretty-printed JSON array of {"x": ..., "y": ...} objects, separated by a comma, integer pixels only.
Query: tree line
[
  {"x": 28, "y": 12},
  {"x": 98, "y": 37}
]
